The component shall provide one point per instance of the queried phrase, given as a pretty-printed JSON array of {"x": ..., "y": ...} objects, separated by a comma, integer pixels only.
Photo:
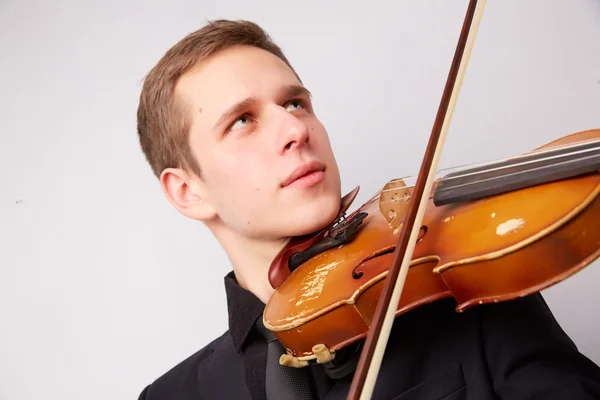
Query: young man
[{"x": 228, "y": 128}]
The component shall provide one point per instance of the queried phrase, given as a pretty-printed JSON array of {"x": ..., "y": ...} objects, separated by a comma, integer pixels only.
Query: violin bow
[{"x": 371, "y": 357}]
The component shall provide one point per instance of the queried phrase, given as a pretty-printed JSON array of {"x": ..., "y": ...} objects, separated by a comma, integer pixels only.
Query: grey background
[{"x": 104, "y": 286}]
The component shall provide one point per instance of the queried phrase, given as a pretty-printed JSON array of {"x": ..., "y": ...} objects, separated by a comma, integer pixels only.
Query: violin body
[{"x": 495, "y": 248}]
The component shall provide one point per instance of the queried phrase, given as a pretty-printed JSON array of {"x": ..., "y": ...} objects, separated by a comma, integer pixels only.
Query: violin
[
  {"x": 481, "y": 240},
  {"x": 480, "y": 234}
]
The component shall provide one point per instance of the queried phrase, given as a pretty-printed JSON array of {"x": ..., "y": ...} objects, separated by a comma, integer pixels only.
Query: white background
[{"x": 104, "y": 286}]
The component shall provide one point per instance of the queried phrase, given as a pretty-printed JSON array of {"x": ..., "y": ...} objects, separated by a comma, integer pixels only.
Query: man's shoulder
[{"x": 183, "y": 377}]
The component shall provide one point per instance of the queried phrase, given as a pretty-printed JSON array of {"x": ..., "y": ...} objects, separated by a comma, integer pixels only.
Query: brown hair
[{"x": 162, "y": 119}]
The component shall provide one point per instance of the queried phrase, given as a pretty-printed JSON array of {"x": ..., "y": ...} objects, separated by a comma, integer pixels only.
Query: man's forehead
[{"x": 238, "y": 72}]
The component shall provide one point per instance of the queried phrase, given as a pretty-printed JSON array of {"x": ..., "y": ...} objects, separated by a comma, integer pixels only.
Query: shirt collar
[{"x": 244, "y": 308}]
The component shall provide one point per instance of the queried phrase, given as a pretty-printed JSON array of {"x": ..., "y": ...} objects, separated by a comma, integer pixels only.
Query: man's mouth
[{"x": 306, "y": 175}]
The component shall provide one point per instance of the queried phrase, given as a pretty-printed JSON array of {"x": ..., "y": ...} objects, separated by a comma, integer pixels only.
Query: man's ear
[{"x": 186, "y": 194}]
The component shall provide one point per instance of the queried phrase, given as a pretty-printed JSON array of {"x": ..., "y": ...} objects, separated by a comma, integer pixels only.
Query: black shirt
[{"x": 511, "y": 350}]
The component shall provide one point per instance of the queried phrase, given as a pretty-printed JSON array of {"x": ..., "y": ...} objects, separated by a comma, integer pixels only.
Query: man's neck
[{"x": 251, "y": 261}]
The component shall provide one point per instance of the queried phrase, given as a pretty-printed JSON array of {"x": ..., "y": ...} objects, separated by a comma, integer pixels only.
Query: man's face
[{"x": 253, "y": 127}]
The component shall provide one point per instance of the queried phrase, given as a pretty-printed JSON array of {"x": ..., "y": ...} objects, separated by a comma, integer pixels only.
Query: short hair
[{"x": 163, "y": 122}]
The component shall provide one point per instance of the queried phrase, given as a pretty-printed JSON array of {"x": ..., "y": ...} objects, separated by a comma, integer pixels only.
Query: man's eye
[
  {"x": 236, "y": 124},
  {"x": 294, "y": 105}
]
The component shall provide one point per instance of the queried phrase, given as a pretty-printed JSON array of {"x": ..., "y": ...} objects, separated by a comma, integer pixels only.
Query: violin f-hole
[
  {"x": 422, "y": 233},
  {"x": 357, "y": 272}
]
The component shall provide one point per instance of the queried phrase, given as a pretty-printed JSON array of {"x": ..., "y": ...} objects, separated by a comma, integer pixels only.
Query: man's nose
[{"x": 291, "y": 131}]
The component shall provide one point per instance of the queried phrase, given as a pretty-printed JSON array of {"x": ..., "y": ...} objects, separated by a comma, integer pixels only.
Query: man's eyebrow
[
  {"x": 238, "y": 108},
  {"x": 235, "y": 109},
  {"x": 296, "y": 90}
]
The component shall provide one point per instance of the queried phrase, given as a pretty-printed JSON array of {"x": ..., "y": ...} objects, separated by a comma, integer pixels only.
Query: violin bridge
[
  {"x": 394, "y": 202},
  {"x": 322, "y": 353},
  {"x": 291, "y": 361}
]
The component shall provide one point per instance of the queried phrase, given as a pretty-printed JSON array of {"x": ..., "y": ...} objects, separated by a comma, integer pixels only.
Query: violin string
[
  {"x": 459, "y": 185},
  {"x": 548, "y": 158},
  {"x": 485, "y": 163},
  {"x": 516, "y": 173},
  {"x": 470, "y": 183},
  {"x": 556, "y": 148},
  {"x": 516, "y": 158}
]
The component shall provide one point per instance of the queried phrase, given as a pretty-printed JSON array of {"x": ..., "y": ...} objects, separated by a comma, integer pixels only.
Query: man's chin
[{"x": 315, "y": 219}]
